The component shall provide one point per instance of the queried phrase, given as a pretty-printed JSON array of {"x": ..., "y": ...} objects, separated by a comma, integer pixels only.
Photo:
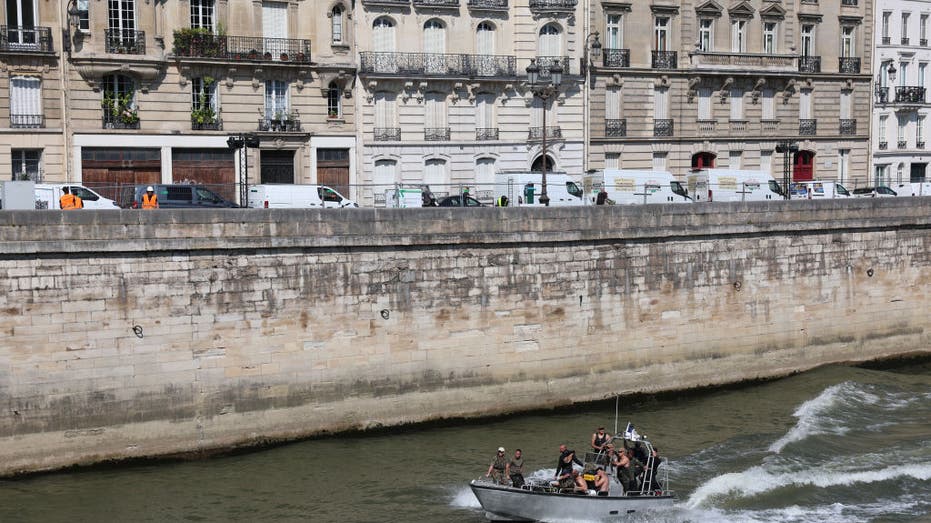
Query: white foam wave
[
  {"x": 464, "y": 498},
  {"x": 809, "y": 416}
]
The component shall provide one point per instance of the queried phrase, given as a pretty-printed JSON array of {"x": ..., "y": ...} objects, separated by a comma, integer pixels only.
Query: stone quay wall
[{"x": 128, "y": 334}]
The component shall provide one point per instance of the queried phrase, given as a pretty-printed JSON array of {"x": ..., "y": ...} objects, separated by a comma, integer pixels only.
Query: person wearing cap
[
  {"x": 515, "y": 469},
  {"x": 150, "y": 199},
  {"x": 497, "y": 469},
  {"x": 600, "y": 439}
]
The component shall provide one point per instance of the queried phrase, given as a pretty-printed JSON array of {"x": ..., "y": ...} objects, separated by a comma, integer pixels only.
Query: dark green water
[{"x": 838, "y": 444}]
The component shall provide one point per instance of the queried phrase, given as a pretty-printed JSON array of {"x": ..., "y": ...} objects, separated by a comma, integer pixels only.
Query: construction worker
[
  {"x": 150, "y": 199},
  {"x": 68, "y": 201},
  {"x": 502, "y": 201}
]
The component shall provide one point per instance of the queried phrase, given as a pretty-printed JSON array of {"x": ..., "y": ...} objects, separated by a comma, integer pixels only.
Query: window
[
  {"x": 334, "y": 106},
  {"x": 770, "y": 38},
  {"x": 550, "y": 41},
  {"x": 766, "y": 161},
  {"x": 434, "y": 37},
  {"x": 485, "y": 111},
  {"x": 920, "y": 129},
  {"x": 204, "y": 103},
  {"x": 659, "y": 161},
  {"x": 737, "y": 104},
  {"x": 485, "y": 39},
  {"x": 435, "y": 111},
  {"x": 613, "y": 103},
  {"x": 660, "y": 103},
  {"x": 899, "y": 173},
  {"x": 706, "y": 34},
  {"x": 385, "y": 110},
  {"x": 900, "y": 129},
  {"x": 845, "y": 105},
  {"x": 769, "y": 104},
  {"x": 385, "y": 175},
  {"x": 612, "y": 161},
  {"x": 923, "y": 29},
  {"x": 848, "y": 41},
  {"x": 274, "y": 19},
  {"x": 734, "y": 159},
  {"x": 336, "y": 25},
  {"x": 808, "y": 39},
  {"x": 903, "y": 73},
  {"x": 885, "y": 28},
  {"x": 905, "y": 17},
  {"x": 25, "y": 101},
  {"x": 661, "y": 33},
  {"x": 122, "y": 18},
  {"x": 202, "y": 14},
  {"x": 739, "y": 36},
  {"x": 614, "y": 31},
  {"x": 843, "y": 164},
  {"x": 804, "y": 104},
  {"x": 21, "y": 14},
  {"x": 883, "y": 123},
  {"x": 83, "y": 15},
  {"x": 26, "y": 164},
  {"x": 434, "y": 173},
  {"x": 276, "y": 100},
  {"x": 704, "y": 103},
  {"x": 485, "y": 174},
  {"x": 922, "y": 69},
  {"x": 120, "y": 90},
  {"x": 383, "y": 35}
]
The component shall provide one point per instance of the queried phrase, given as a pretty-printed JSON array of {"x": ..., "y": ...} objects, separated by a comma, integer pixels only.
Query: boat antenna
[{"x": 617, "y": 401}]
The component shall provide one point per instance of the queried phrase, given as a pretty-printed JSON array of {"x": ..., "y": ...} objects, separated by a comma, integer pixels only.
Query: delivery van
[
  {"x": 812, "y": 190},
  {"x": 48, "y": 196},
  {"x": 913, "y": 189},
  {"x": 289, "y": 196},
  {"x": 732, "y": 185},
  {"x": 524, "y": 188},
  {"x": 629, "y": 186}
]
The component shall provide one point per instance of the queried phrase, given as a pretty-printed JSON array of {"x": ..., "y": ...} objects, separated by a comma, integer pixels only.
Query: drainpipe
[{"x": 64, "y": 82}]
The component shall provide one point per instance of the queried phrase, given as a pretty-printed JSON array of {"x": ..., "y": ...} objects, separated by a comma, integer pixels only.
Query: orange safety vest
[
  {"x": 67, "y": 202},
  {"x": 78, "y": 202},
  {"x": 149, "y": 202}
]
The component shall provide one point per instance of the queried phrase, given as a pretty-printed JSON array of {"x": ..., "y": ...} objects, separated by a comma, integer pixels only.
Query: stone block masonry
[{"x": 127, "y": 334}]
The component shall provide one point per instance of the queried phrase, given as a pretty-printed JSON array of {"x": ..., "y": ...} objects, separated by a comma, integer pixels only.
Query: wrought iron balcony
[
  {"x": 25, "y": 39},
  {"x": 216, "y": 125},
  {"x": 436, "y": 134},
  {"x": 902, "y": 144},
  {"x": 124, "y": 41},
  {"x": 848, "y": 126},
  {"x": 547, "y": 62},
  {"x": 883, "y": 146},
  {"x": 809, "y": 64},
  {"x": 848, "y": 65},
  {"x": 663, "y": 127},
  {"x": 923, "y": 42},
  {"x": 225, "y": 47},
  {"x": 488, "y": 4},
  {"x": 810, "y": 2},
  {"x": 387, "y": 134},
  {"x": 486, "y": 133},
  {"x": 386, "y": 2},
  {"x": 849, "y": 3},
  {"x": 807, "y": 127},
  {"x": 615, "y": 128},
  {"x": 120, "y": 121},
  {"x": 27, "y": 121},
  {"x": 615, "y": 58},
  {"x": 280, "y": 125},
  {"x": 706, "y": 126},
  {"x": 665, "y": 60},
  {"x": 436, "y": 3},
  {"x": 904, "y": 40},
  {"x": 920, "y": 144},
  {"x": 552, "y": 5},
  {"x": 909, "y": 94},
  {"x": 769, "y": 126},
  {"x": 536, "y": 133},
  {"x": 882, "y": 95},
  {"x": 886, "y": 40},
  {"x": 434, "y": 64}
]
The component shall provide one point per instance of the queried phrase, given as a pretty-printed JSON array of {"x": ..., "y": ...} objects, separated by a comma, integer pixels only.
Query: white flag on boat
[{"x": 631, "y": 433}]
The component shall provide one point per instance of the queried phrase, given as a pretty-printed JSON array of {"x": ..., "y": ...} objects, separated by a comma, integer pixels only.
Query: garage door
[
  {"x": 113, "y": 172},
  {"x": 214, "y": 168}
]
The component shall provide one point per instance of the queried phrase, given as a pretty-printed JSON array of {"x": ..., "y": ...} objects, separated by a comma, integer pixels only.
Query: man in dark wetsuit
[
  {"x": 563, "y": 452},
  {"x": 566, "y": 476}
]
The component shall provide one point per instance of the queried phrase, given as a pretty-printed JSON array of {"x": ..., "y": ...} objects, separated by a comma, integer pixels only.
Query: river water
[{"x": 837, "y": 444}]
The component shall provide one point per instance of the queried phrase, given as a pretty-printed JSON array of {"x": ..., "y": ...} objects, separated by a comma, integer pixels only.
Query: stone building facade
[
  {"x": 900, "y": 103},
  {"x": 683, "y": 85}
]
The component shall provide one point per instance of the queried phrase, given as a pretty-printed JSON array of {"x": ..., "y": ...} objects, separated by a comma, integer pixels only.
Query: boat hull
[{"x": 506, "y": 503}]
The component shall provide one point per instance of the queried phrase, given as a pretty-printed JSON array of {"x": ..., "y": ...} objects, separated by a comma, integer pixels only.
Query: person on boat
[
  {"x": 498, "y": 467},
  {"x": 657, "y": 461},
  {"x": 515, "y": 469},
  {"x": 600, "y": 439},
  {"x": 624, "y": 470},
  {"x": 602, "y": 481},
  {"x": 563, "y": 451},
  {"x": 566, "y": 476}
]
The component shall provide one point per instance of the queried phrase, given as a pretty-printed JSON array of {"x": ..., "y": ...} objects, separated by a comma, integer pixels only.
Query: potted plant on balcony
[
  {"x": 268, "y": 55},
  {"x": 299, "y": 57},
  {"x": 284, "y": 57},
  {"x": 253, "y": 54},
  {"x": 119, "y": 111},
  {"x": 203, "y": 115}
]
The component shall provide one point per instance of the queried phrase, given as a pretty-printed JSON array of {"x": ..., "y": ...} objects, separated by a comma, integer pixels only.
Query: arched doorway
[
  {"x": 538, "y": 164},
  {"x": 703, "y": 160},
  {"x": 803, "y": 166}
]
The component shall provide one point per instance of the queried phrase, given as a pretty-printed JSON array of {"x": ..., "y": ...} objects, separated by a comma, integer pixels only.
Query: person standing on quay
[
  {"x": 68, "y": 201},
  {"x": 150, "y": 199}
]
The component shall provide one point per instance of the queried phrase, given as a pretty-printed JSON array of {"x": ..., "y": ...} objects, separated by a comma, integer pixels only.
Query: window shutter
[
  {"x": 274, "y": 19},
  {"x": 612, "y": 103},
  {"x": 25, "y": 96},
  {"x": 704, "y": 103}
]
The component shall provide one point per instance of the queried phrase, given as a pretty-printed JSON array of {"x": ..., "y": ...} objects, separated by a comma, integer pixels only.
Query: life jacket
[
  {"x": 67, "y": 202},
  {"x": 149, "y": 202}
]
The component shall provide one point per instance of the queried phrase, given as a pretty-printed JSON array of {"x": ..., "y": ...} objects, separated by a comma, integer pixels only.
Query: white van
[
  {"x": 524, "y": 188},
  {"x": 48, "y": 196},
  {"x": 913, "y": 189},
  {"x": 732, "y": 185},
  {"x": 812, "y": 190},
  {"x": 288, "y": 196},
  {"x": 628, "y": 186}
]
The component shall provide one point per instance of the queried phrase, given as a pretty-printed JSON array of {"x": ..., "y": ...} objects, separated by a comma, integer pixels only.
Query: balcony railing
[
  {"x": 536, "y": 133},
  {"x": 280, "y": 125},
  {"x": 552, "y": 5},
  {"x": 902, "y": 144},
  {"x": 386, "y": 2},
  {"x": 615, "y": 58},
  {"x": 387, "y": 134},
  {"x": 433, "y": 64},
  {"x": 616, "y": 127},
  {"x": 904, "y": 40},
  {"x": 849, "y": 3},
  {"x": 848, "y": 65},
  {"x": 716, "y": 60},
  {"x": 909, "y": 94},
  {"x": 27, "y": 121},
  {"x": 437, "y": 3},
  {"x": 707, "y": 126},
  {"x": 546, "y": 62},
  {"x": 886, "y": 40},
  {"x": 809, "y": 64},
  {"x": 920, "y": 144},
  {"x": 486, "y": 133},
  {"x": 488, "y": 4},
  {"x": 738, "y": 126},
  {"x": 923, "y": 42},
  {"x": 807, "y": 127},
  {"x": 436, "y": 134},
  {"x": 883, "y": 146},
  {"x": 25, "y": 39},
  {"x": 848, "y": 126},
  {"x": 119, "y": 121},
  {"x": 216, "y": 125},
  {"x": 225, "y": 47},
  {"x": 665, "y": 60},
  {"x": 124, "y": 41},
  {"x": 769, "y": 126},
  {"x": 663, "y": 127}
]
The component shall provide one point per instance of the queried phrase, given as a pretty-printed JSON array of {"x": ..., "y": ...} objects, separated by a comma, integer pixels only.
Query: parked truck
[
  {"x": 628, "y": 187},
  {"x": 524, "y": 188},
  {"x": 732, "y": 185},
  {"x": 31, "y": 195}
]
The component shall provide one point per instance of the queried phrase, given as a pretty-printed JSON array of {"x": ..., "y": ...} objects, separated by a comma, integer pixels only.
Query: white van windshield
[{"x": 573, "y": 189}]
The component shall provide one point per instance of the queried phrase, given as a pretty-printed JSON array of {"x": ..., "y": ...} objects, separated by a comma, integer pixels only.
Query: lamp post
[
  {"x": 544, "y": 89},
  {"x": 243, "y": 142},
  {"x": 786, "y": 147}
]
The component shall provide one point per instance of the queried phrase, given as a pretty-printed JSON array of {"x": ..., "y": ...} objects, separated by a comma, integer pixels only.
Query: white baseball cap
[
  {"x": 500, "y": 449},
  {"x": 149, "y": 188}
]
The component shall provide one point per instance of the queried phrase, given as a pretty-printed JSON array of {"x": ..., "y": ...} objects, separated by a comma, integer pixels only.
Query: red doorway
[
  {"x": 803, "y": 166},
  {"x": 703, "y": 160}
]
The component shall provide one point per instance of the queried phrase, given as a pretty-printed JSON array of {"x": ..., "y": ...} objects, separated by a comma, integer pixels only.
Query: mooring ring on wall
[
  {"x": 385, "y": 313},
  {"x": 869, "y": 272},
  {"x": 737, "y": 285},
  {"x": 137, "y": 330}
]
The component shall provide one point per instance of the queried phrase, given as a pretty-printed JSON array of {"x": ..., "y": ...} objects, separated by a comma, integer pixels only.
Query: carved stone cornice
[{"x": 144, "y": 71}]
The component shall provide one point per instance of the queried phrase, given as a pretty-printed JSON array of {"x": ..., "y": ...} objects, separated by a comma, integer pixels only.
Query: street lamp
[
  {"x": 891, "y": 70},
  {"x": 544, "y": 88},
  {"x": 786, "y": 147},
  {"x": 243, "y": 142}
]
